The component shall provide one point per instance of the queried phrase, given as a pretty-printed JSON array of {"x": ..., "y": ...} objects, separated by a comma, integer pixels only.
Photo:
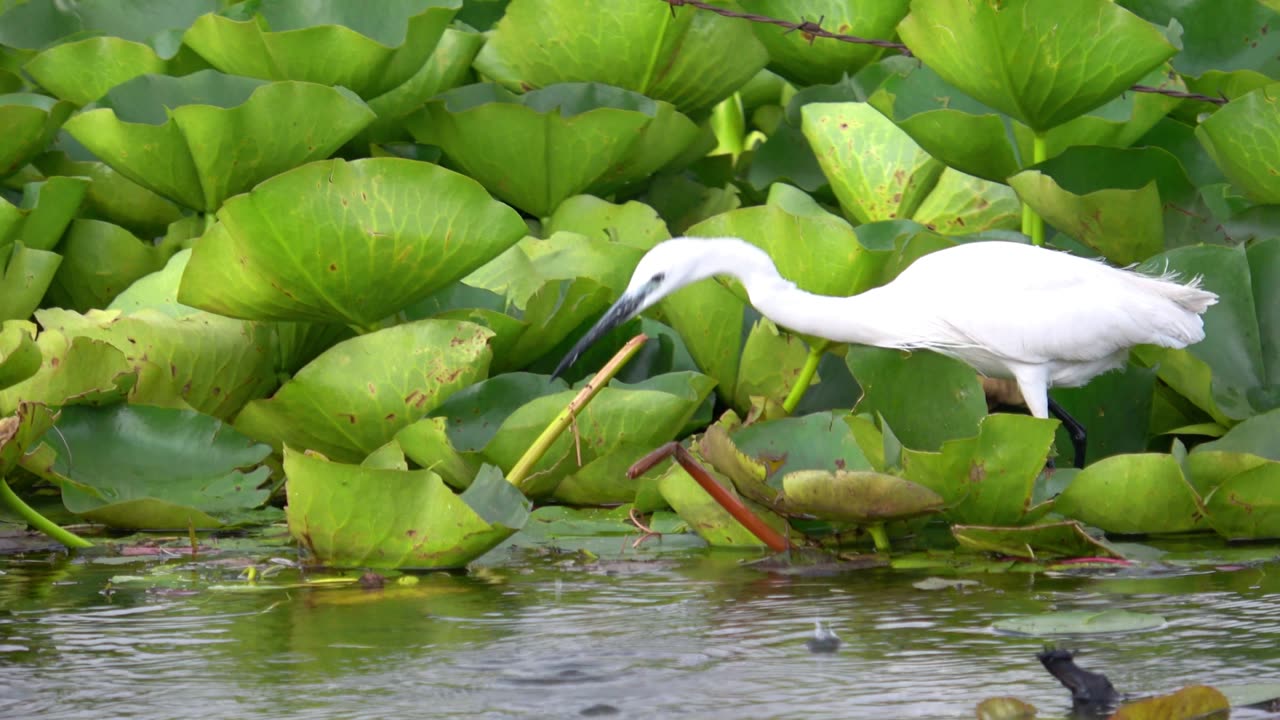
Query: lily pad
[
  {"x": 358, "y": 516},
  {"x": 1244, "y": 507},
  {"x": 1244, "y": 139},
  {"x": 204, "y": 137},
  {"x": 30, "y": 122},
  {"x": 689, "y": 58},
  {"x": 99, "y": 261},
  {"x": 633, "y": 224},
  {"x": 1218, "y": 35},
  {"x": 73, "y": 370},
  {"x": 859, "y": 497},
  {"x": 1188, "y": 703},
  {"x": 21, "y": 431},
  {"x": 19, "y": 354},
  {"x": 155, "y": 468},
  {"x": 946, "y": 401},
  {"x": 26, "y": 275},
  {"x": 1069, "y": 68},
  {"x": 1081, "y": 622},
  {"x": 201, "y": 361},
  {"x": 819, "y": 441},
  {"x": 537, "y": 149},
  {"x": 369, "y": 49},
  {"x": 286, "y": 252},
  {"x": 807, "y": 62},
  {"x": 1063, "y": 539},
  {"x": 1130, "y": 494},
  {"x": 44, "y": 213},
  {"x": 708, "y": 518},
  {"x": 403, "y": 373},
  {"x": 988, "y": 479},
  {"x": 113, "y": 197},
  {"x": 84, "y": 70}
]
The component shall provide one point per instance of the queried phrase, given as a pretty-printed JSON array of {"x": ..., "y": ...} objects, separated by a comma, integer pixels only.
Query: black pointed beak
[{"x": 621, "y": 311}]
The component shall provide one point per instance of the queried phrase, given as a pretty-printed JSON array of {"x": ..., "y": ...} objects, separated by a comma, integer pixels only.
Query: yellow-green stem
[
  {"x": 805, "y": 377},
  {"x": 524, "y": 466},
  {"x": 880, "y": 537},
  {"x": 1033, "y": 224},
  {"x": 38, "y": 521}
]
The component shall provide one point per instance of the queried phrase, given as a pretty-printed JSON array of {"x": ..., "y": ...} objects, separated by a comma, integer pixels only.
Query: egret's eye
[{"x": 658, "y": 278}]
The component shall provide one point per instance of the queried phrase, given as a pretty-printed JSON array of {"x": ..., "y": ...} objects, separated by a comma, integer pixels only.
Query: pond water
[{"x": 666, "y": 630}]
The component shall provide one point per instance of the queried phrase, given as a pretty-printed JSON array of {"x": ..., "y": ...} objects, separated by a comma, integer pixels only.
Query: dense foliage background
[{"x": 342, "y": 245}]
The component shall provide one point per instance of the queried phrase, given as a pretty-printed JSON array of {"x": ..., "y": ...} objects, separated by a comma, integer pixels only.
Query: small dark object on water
[
  {"x": 1091, "y": 693},
  {"x": 599, "y": 710},
  {"x": 822, "y": 640},
  {"x": 371, "y": 581}
]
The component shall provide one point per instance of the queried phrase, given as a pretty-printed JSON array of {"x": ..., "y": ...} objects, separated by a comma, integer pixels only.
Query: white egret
[{"x": 1039, "y": 317}]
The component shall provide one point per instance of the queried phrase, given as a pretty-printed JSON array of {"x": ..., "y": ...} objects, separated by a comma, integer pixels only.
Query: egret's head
[{"x": 666, "y": 268}]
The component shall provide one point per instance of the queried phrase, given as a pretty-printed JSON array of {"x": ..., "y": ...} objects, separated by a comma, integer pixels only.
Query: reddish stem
[{"x": 733, "y": 505}]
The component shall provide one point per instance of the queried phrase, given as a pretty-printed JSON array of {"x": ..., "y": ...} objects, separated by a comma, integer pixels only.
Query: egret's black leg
[{"x": 1074, "y": 429}]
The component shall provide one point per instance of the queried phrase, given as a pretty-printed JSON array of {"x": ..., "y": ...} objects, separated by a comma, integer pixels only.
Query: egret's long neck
[{"x": 860, "y": 319}]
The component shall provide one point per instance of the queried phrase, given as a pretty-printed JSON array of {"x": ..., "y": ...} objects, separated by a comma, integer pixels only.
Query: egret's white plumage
[{"x": 1039, "y": 317}]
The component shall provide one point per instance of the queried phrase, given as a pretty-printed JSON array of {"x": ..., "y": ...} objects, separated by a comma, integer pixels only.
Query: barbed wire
[{"x": 811, "y": 30}]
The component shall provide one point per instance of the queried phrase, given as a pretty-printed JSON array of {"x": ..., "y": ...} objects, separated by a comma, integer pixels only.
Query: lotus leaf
[
  {"x": 83, "y": 71},
  {"x": 1244, "y": 139},
  {"x": 946, "y": 401},
  {"x": 1237, "y": 375},
  {"x": 1140, "y": 493},
  {"x": 1040, "y": 61},
  {"x": 99, "y": 261},
  {"x": 1115, "y": 408},
  {"x": 688, "y": 58},
  {"x": 961, "y": 204},
  {"x": 862, "y": 497},
  {"x": 134, "y": 466},
  {"x": 371, "y": 50},
  {"x": 359, "y": 516},
  {"x": 988, "y": 479},
  {"x": 286, "y": 252},
  {"x": 706, "y": 517},
  {"x": 1245, "y": 507},
  {"x": 19, "y": 354},
  {"x": 73, "y": 370},
  {"x": 46, "y": 209},
  {"x": 25, "y": 277},
  {"x": 824, "y": 61},
  {"x": 20, "y": 432},
  {"x": 204, "y": 137},
  {"x": 1218, "y": 34},
  {"x": 876, "y": 170},
  {"x": 770, "y": 365},
  {"x": 1066, "y": 538},
  {"x": 976, "y": 139},
  {"x": 537, "y": 149},
  {"x": 633, "y": 223},
  {"x": 818, "y": 441},
  {"x": 113, "y": 197},
  {"x": 403, "y": 373},
  {"x": 30, "y": 122}
]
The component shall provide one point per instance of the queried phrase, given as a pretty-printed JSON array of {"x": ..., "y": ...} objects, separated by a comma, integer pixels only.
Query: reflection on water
[{"x": 691, "y": 635}]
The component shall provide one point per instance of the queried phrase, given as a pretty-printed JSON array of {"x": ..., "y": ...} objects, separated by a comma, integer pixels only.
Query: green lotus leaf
[
  {"x": 1218, "y": 34},
  {"x": 370, "y": 50},
  {"x": 1130, "y": 494},
  {"x": 140, "y": 467},
  {"x": 1236, "y": 373},
  {"x": 1115, "y": 409},
  {"x": 975, "y": 139},
  {"x": 83, "y": 71},
  {"x": 24, "y": 279},
  {"x": 487, "y": 309},
  {"x": 403, "y": 373},
  {"x": 200, "y": 361},
  {"x": 1113, "y": 200},
  {"x": 988, "y": 479},
  {"x": 771, "y": 362},
  {"x": 1244, "y": 447},
  {"x": 43, "y": 214},
  {"x": 19, "y": 354},
  {"x": 37, "y": 24},
  {"x": 204, "y": 137},
  {"x": 708, "y": 518},
  {"x": 369, "y": 517},
  {"x": 961, "y": 204},
  {"x": 1041, "y": 62},
  {"x": 1064, "y": 539},
  {"x": 748, "y": 474},
  {"x": 99, "y": 261},
  {"x": 689, "y": 58},
  {"x": 824, "y": 61},
  {"x": 1245, "y": 507},
  {"x": 818, "y": 441},
  {"x": 113, "y": 197},
  {"x": 634, "y": 224},
  {"x": 21, "y": 431},
  {"x": 73, "y": 370},
  {"x": 856, "y": 496},
  {"x": 946, "y": 401},
  {"x": 30, "y": 121},
  {"x": 1244, "y": 139},
  {"x": 447, "y": 68},
  {"x": 286, "y": 252},
  {"x": 876, "y": 170},
  {"x": 537, "y": 149}
]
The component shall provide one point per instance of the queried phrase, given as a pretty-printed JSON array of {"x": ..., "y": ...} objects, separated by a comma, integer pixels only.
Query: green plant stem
[
  {"x": 1033, "y": 224},
  {"x": 880, "y": 537},
  {"x": 524, "y": 466},
  {"x": 805, "y": 377},
  {"x": 38, "y": 521}
]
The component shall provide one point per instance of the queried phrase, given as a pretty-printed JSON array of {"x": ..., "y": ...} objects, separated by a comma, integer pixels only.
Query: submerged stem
[
  {"x": 880, "y": 537},
  {"x": 38, "y": 521},
  {"x": 520, "y": 473},
  {"x": 805, "y": 377}
]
